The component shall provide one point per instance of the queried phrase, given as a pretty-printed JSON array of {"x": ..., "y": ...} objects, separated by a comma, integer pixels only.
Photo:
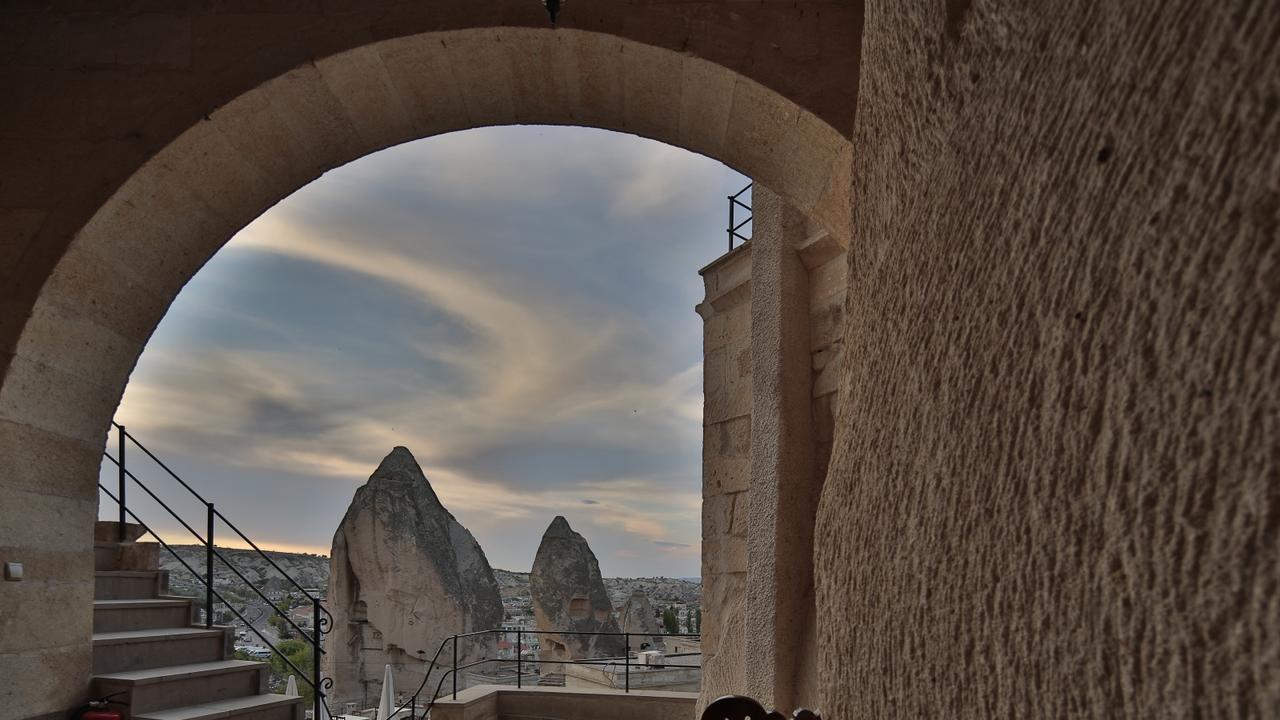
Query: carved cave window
[{"x": 579, "y": 607}]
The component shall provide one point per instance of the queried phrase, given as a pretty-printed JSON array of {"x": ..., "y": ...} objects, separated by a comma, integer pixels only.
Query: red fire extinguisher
[{"x": 100, "y": 709}]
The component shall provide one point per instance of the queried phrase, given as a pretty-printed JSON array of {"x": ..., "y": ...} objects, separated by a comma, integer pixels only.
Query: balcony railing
[
  {"x": 735, "y": 227},
  {"x": 453, "y": 668}
]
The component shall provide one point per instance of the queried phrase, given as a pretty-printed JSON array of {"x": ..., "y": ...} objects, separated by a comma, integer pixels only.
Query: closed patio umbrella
[{"x": 388, "y": 701}]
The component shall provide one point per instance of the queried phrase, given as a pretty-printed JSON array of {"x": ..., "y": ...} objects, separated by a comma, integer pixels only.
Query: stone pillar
[
  {"x": 726, "y": 470},
  {"x": 770, "y": 368},
  {"x": 780, "y": 521}
]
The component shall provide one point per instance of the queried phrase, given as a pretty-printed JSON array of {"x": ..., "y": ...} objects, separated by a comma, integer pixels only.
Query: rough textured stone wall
[
  {"x": 783, "y": 497},
  {"x": 1055, "y": 490}
]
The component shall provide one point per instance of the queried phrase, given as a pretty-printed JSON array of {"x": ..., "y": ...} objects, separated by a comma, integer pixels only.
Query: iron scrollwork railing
[{"x": 321, "y": 619}]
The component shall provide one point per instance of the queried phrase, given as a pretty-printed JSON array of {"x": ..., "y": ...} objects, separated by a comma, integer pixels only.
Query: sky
[{"x": 515, "y": 305}]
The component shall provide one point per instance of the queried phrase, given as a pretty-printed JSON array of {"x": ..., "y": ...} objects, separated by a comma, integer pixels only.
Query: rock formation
[
  {"x": 568, "y": 596},
  {"x": 637, "y": 618},
  {"x": 404, "y": 575}
]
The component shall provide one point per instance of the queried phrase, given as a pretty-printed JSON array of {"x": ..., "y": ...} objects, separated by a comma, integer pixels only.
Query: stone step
[
  {"x": 109, "y": 531},
  {"x": 126, "y": 556},
  {"x": 129, "y": 584},
  {"x": 120, "y": 615},
  {"x": 258, "y": 707},
  {"x": 175, "y": 686},
  {"x": 140, "y": 649}
]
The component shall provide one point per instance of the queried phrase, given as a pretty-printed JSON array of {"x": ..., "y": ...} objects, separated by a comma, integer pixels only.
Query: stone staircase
[{"x": 145, "y": 646}]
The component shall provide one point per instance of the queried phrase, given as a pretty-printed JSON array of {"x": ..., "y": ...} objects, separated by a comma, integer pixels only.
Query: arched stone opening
[
  {"x": 128, "y": 262},
  {"x": 95, "y": 313}
]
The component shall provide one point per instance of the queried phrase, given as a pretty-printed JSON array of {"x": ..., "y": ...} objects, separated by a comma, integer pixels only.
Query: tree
[
  {"x": 670, "y": 622},
  {"x": 299, "y": 653},
  {"x": 699, "y": 620},
  {"x": 688, "y": 621},
  {"x": 282, "y": 626}
]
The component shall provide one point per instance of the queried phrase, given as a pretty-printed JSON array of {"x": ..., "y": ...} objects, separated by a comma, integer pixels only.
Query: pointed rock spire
[
  {"x": 403, "y": 575},
  {"x": 569, "y": 595}
]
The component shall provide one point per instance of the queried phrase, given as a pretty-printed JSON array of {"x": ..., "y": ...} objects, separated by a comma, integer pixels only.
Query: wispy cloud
[{"x": 388, "y": 304}]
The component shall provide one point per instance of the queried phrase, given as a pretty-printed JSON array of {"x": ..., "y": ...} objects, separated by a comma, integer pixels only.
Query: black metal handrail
[
  {"x": 734, "y": 226},
  {"x": 214, "y": 550},
  {"x": 126, "y": 434},
  {"x": 210, "y": 548},
  {"x": 322, "y": 620},
  {"x": 231, "y": 607},
  {"x": 452, "y": 672}
]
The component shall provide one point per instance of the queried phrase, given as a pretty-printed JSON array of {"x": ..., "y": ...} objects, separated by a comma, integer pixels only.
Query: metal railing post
[
  {"x": 121, "y": 439},
  {"x": 315, "y": 658},
  {"x": 455, "y": 667},
  {"x": 519, "y": 659},
  {"x": 626, "y": 656},
  {"x": 208, "y": 570},
  {"x": 730, "y": 222}
]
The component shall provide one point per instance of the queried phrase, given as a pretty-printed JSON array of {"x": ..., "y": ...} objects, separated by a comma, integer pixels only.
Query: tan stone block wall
[
  {"x": 727, "y": 469},
  {"x": 726, "y": 463},
  {"x": 46, "y": 523}
]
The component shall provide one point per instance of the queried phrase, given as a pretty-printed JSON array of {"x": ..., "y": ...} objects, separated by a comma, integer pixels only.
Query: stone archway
[
  {"x": 126, "y": 264},
  {"x": 1054, "y": 465},
  {"x": 123, "y": 268}
]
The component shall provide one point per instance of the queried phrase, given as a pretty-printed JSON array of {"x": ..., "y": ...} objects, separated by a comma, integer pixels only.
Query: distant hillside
[
  {"x": 661, "y": 590},
  {"x": 312, "y": 571}
]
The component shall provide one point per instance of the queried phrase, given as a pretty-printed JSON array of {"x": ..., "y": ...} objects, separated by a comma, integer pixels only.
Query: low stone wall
[
  {"x": 683, "y": 674},
  {"x": 498, "y": 702}
]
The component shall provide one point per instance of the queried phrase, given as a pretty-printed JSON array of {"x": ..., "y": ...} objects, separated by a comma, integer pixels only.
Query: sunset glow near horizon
[{"x": 515, "y": 305}]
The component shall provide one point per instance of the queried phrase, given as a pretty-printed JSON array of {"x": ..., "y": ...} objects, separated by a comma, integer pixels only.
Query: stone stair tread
[
  {"x": 141, "y": 602},
  {"x": 175, "y": 672},
  {"x": 152, "y": 634},
  {"x": 218, "y": 708}
]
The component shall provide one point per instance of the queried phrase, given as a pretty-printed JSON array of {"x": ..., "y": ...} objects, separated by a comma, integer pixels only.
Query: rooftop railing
[
  {"x": 453, "y": 668},
  {"x": 735, "y": 227}
]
